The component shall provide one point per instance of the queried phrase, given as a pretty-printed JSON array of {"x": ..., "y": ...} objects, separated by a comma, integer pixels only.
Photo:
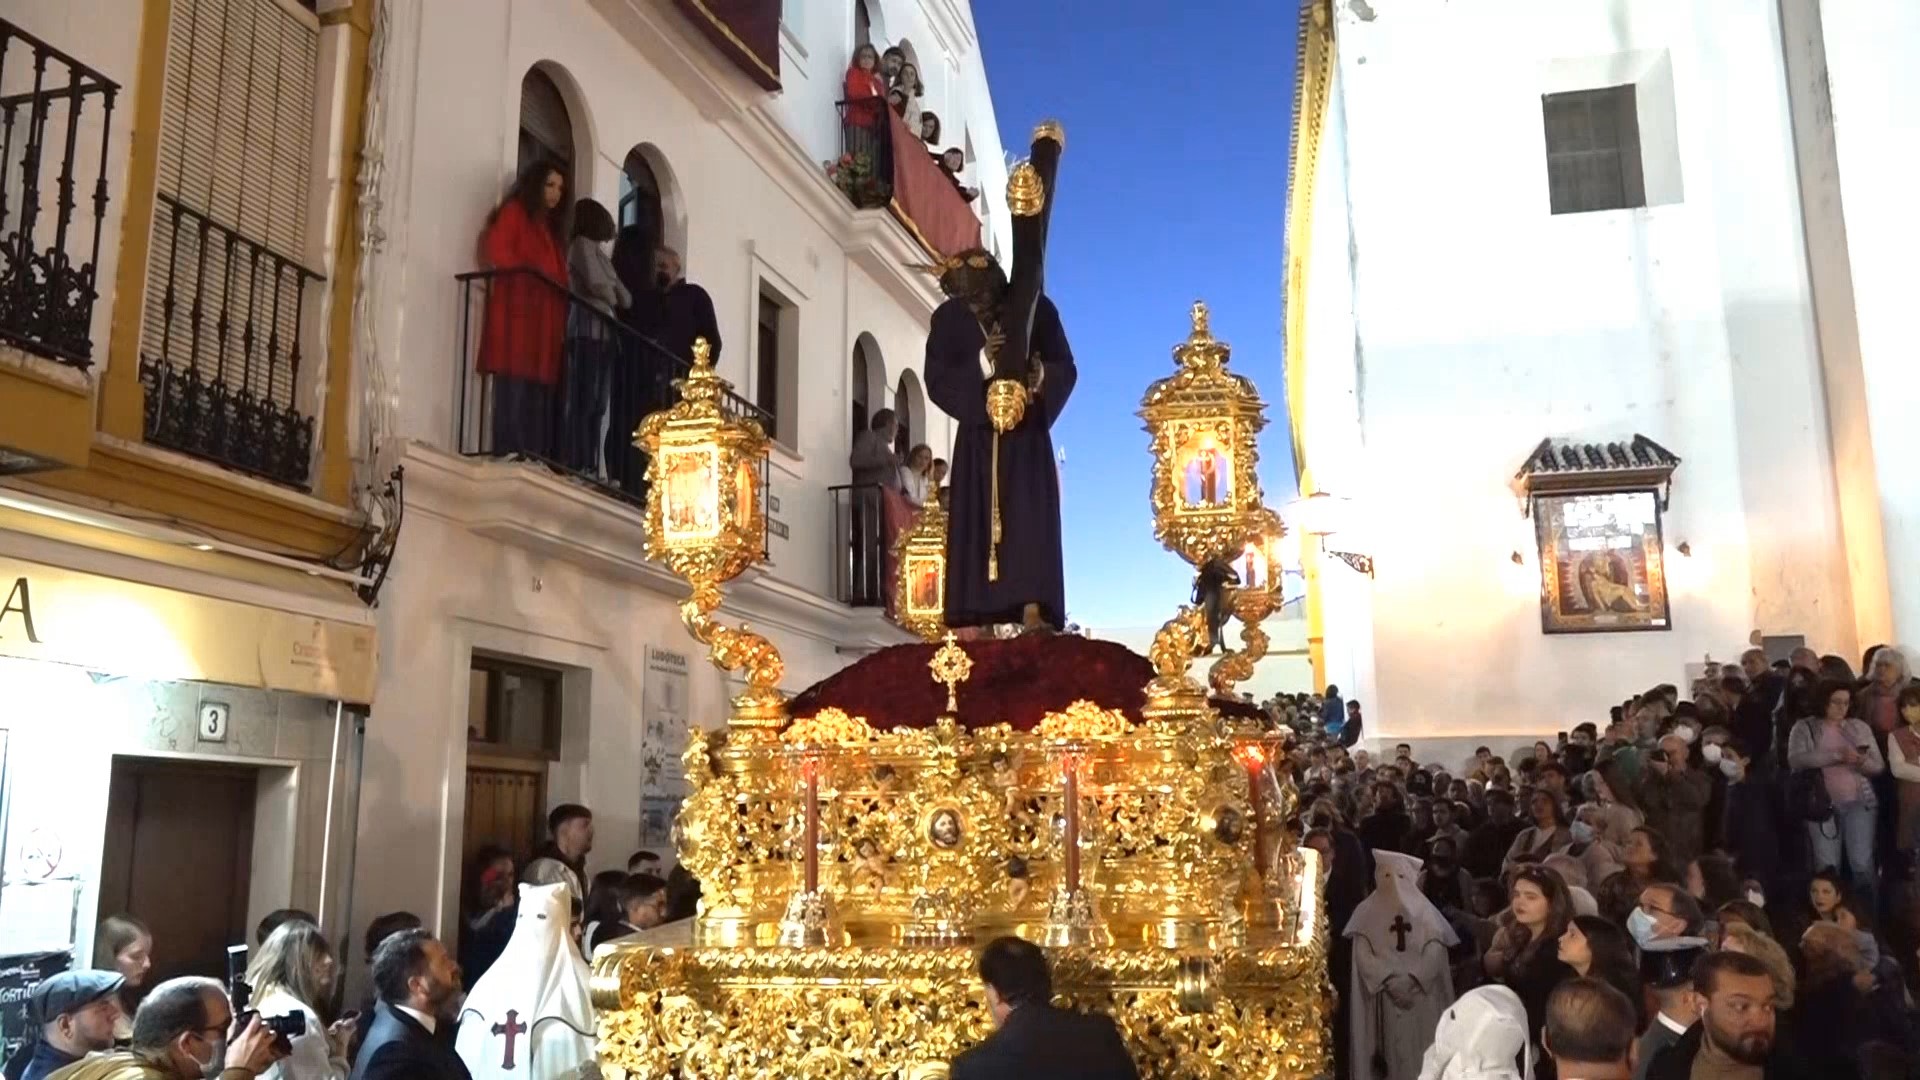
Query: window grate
[{"x": 1593, "y": 150}]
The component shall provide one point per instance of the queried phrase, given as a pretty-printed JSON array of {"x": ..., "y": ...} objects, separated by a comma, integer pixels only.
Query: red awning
[
  {"x": 747, "y": 31},
  {"x": 925, "y": 199}
]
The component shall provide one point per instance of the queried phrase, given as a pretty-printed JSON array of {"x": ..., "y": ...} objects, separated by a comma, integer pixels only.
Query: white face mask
[
  {"x": 1641, "y": 925},
  {"x": 1685, "y": 732},
  {"x": 1711, "y": 752},
  {"x": 1582, "y": 832},
  {"x": 216, "y": 1063},
  {"x": 1730, "y": 768},
  {"x": 1756, "y": 898}
]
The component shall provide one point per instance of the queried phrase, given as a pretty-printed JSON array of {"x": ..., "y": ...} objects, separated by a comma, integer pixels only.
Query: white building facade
[
  {"x": 530, "y": 654},
  {"x": 1705, "y": 255}
]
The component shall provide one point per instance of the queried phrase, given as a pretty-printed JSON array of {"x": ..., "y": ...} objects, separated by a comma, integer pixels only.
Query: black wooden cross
[
  {"x": 1399, "y": 928},
  {"x": 514, "y": 1028}
]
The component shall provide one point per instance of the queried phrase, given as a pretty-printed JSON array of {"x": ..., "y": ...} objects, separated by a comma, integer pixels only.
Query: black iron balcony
[
  {"x": 860, "y": 555},
  {"x": 583, "y": 380},
  {"x": 49, "y": 263},
  {"x": 222, "y": 369}
]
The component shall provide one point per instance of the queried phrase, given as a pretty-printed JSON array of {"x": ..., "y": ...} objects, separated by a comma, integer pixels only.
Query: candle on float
[
  {"x": 811, "y": 861},
  {"x": 1254, "y": 758},
  {"x": 1072, "y": 796}
]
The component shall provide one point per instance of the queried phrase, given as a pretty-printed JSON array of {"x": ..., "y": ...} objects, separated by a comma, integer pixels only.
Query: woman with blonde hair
[
  {"x": 293, "y": 973},
  {"x": 1741, "y": 938}
]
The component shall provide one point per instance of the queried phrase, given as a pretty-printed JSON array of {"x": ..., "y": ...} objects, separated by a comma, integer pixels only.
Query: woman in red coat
[
  {"x": 526, "y": 316},
  {"x": 866, "y": 116}
]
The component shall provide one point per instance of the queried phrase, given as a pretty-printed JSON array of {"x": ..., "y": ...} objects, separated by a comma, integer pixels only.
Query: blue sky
[{"x": 1173, "y": 188}]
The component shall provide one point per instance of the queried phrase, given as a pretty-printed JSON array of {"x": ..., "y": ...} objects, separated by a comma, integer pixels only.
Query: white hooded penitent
[{"x": 530, "y": 1017}]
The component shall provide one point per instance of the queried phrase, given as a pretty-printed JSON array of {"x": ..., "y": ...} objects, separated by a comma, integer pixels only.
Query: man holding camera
[{"x": 185, "y": 1030}]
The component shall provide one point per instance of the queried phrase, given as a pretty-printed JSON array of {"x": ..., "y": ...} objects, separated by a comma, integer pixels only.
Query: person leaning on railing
[
  {"x": 592, "y": 349},
  {"x": 526, "y": 316}
]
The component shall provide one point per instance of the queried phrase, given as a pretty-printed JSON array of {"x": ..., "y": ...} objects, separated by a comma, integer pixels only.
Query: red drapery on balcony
[
  {"x": 925, "y": 199},
  {"x": 748, "y": 31}
]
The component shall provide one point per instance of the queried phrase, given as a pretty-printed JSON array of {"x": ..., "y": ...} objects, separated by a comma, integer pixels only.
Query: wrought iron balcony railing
[
  {"x": 860, "y": 553},
  {"x": 49, "y": 262},
  {"x": 589, "y": 380},
  {"x": 221, "y": 370}
]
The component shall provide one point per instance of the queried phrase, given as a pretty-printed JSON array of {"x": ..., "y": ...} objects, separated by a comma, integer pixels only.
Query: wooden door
[
  {"x": 179, "y": 857},
  {"x": 506, "y": 806}
]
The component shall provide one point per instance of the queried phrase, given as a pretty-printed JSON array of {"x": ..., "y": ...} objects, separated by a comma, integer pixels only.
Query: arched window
[
  {"x": 640, "y": 203},
  {"x": 910, "y": 405},
  {"x": 903, "y": 434},
  {"x": 861, "y": 413},
  {"x": 546, "y": 128},
  {"x": 862, "y": 24}
]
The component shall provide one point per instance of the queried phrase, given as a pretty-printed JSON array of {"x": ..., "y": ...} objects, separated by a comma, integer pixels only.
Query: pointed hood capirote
[{"x": 530, "y": 1017}]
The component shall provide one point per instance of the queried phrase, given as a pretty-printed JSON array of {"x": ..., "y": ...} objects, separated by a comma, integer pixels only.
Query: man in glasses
[{"x": 185, "y": 1030}]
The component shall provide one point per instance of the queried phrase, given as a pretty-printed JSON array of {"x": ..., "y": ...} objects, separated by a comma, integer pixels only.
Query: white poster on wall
[{"x": 664, "y": 705}]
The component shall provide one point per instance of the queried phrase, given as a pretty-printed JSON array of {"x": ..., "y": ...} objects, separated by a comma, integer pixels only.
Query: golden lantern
[
  {"x": 706, "y": 521},
  {"x": 920, "y": 580},
  {"x": 1203, "y": 420},
  {"x": 1206, "y": 498}
]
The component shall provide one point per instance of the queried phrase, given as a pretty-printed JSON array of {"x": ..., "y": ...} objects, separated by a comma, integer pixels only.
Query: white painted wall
[
  {"x": 1481, "y": 323},
  {"x": 64, "y": 727},
  {"x": 1873, "y": 91},
  {"x": 512, "y": 560}
]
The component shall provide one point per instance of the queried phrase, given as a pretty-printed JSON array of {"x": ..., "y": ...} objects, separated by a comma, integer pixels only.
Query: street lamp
[{"x": 1320, "y": 515}]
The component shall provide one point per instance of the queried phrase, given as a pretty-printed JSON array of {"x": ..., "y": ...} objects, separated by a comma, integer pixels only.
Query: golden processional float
[{"x": 849, "y": 873}]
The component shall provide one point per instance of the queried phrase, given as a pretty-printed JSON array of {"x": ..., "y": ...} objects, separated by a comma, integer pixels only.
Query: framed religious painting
[{"x": 1601, "y": 562}]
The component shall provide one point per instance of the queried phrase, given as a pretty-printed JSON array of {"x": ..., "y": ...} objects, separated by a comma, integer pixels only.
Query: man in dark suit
[
  {"x": 1034, "y": 1039},
  {"x": 419, "y": 984}
]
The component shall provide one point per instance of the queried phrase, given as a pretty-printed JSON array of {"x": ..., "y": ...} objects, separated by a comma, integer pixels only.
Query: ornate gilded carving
[
  {"x": 920, "y": 585},
  {"x": 1050, "y": 129},
  {"x": 1026, "y": 193},
  {"x": 1153, "y": 859},
  {"x": 706, "y": 522},
  {"x": 1203, "y": 421}
]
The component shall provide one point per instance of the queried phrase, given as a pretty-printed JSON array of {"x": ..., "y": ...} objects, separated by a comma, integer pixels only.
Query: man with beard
[
  {"x": 563, "y": 859},
  {"x": 1734, "y": 1038},
  {"x": 69, "y": 1015},
  {"x": 419, "y": 986},
  {"x": 184, "y": 1030},
  {"x": 1589, "y": 1031}
]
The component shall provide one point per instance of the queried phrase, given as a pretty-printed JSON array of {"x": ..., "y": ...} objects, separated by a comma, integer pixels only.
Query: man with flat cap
[
  {"x": 1666, "y": 967},
  {"x": 69, "y": 1015}
]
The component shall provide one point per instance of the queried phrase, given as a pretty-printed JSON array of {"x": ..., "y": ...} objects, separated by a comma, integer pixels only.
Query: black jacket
[
  {"x": 1040, "y": 1042},
  {"x": 686, "y": 312},
  {"x": 399, "y": 1048}
]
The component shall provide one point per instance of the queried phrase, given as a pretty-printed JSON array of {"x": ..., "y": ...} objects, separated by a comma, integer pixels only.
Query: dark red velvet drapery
[{"x": 926, "y": 199}]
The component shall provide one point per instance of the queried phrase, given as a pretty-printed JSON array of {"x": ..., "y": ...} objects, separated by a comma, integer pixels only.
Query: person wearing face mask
[
  {"x": 1713, "y": 745},
  {"x": 184, "y": 1030},
  {"x": 1673, "y": 794},
  {"x": 1765, "y": 846},
  {"x": 1666, "y": 913}
]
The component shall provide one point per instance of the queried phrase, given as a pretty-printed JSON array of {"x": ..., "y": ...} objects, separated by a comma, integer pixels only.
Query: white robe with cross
[
  {"x": 1402, "y": 980},
  {"x": 530, "y": 1017}
]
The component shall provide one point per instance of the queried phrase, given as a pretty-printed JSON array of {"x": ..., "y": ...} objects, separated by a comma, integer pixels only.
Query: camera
[{"x": 291, "y": 1026}]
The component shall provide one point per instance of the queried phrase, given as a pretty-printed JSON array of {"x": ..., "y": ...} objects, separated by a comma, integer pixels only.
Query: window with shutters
[
  {"x": 228, "y": 333},
  {"x": 767, "y": 346},
  {"x": 546, "y": 128},
  {"x": 1593, "y": 150}
]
